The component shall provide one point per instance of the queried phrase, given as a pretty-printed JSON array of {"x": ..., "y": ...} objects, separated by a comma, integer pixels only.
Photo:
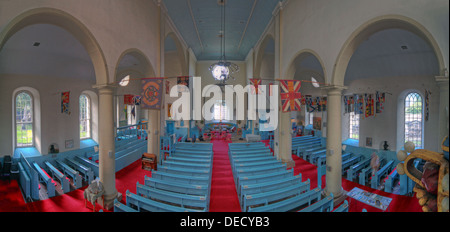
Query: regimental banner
[
  {"x": 427, "y": 104},
  {"x": 137, "y": 100},
  {"x": 152, "y": 90},
  {"x": 369, "y": 105},
  {"x": 183, "y": 80},
  {"x": 167, "y": 87},
  {"x": 65, "y": 100},
  {"x": 290, "y": 95},
  {"x": 128, "y": 99},
  {"x": 309, "y": 103},
  {"x": 256, "y": 83},
  {"x": 359, "y": 104}
]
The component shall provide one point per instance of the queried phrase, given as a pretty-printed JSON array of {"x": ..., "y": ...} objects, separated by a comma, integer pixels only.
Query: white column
[
  {"x": 153, "y": 132},
  {"x": 442, "y": 82},
  {"x": 334, "y": 144},
  {"x": 285, "y": 139},
  {"x": 106, "y": 142}
]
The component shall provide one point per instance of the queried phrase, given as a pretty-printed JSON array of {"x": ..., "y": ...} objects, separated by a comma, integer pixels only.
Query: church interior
[{"x": 124, "y": 106}]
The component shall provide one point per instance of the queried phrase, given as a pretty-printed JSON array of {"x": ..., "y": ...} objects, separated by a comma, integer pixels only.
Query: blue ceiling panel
[{"x": 201, "y": 29}]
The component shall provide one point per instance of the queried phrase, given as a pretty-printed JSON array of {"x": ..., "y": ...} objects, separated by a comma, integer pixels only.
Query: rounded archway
[
  {"x": 66, "y": 21},
  {"x": 134, "y": 65},
  {"x": 265, "y": 59},
  {"x": 372, "y": 27}
]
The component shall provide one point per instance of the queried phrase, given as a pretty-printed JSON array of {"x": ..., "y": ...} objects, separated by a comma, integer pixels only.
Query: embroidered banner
[
  {"x": 128, "y": 99},
  {"x": 152, "y": 93},
  {"x": 427, "y": 104},
  {"x": 137, "y": 100},
  {"x": 290, "y": 95},
  {"x": 359, "y": 104},
  {"x": 184, "y": 80},
  {"x": 65, "y": 102},
  {"x": 167, "y": 87}
]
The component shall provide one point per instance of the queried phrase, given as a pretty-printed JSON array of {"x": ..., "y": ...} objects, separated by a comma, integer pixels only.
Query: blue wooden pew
[
  {"x": 250, "y": 151},
  {"x": 119, "y": 207},
  {"x": 342, "y": 208},
  {"x": 314, "y": 155},
  {"x": 269, "y": 186},
  {"x": 247, "y": 180},
  {"x": 384, "y": 170},
  {"x": 68, "y": 171},
  {"x": 391, "y": 178},
  {"x": 29, "y": 179},
  {"x": 63, "y": 180},
  {"x": 269, "y": 197},
  {"x": 290, "y": 204},
  {"x": 25, "y": 181},
  {"x": 183, "y": 200},
  {"x": 181, "y": 178},
  {"x": 184, "y": 171},
  {"x": 240, "y": 146},
  {"x": 245, "y": 161},
  {"x": 302, "y": 149},
  {"x": 245, "y": 156},
  {"x": 324, "y": 205},
  {"x": 347, "y": 159},
  {"x": 45, "y": 178},
  {"x": 88, "y": 174},
  {"x": 144, "y": 204},
  {"x": 190, "y": 160},
  {"x": 258, "y": 170},
  {"x": 197, "y": 166},
  {"x": 178, "y": 187},
  {"x": 308, "y": 152},
  {"x": 90, "y": 164},
  {"x": 266, "y": 163},
  {"x": 354, "y": 169},
  {"x": 366, "y": 173}
]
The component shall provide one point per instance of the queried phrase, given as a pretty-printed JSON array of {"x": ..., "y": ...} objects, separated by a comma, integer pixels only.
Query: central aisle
[{"x": 223, "y": 196}]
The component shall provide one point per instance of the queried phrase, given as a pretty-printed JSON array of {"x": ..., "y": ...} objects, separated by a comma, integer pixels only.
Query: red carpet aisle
[
  {"x": 223, "y": 196},
  {"x": 11, "y": 199}
]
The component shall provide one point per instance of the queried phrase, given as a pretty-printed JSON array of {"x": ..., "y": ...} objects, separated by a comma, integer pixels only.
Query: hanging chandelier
[{"x": 223, "y": 70}]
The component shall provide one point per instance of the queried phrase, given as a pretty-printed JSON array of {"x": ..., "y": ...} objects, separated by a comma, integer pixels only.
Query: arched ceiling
[
  {"x": 46, "y": 50},
  {"x": 392, "y": 53},
  {"x": 199, "y": 22}
]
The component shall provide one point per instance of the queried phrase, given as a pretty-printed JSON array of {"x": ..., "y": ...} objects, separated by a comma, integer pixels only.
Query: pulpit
[{"x": 149, "y": 161}]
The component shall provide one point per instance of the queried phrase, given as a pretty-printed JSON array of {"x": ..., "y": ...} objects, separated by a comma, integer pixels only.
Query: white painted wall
[
  {"x": 55, "y": 127},
  {"x": 388, "y": 126}
]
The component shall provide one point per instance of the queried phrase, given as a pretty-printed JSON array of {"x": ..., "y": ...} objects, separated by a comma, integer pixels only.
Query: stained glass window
[{"x": 414, "y": 119}]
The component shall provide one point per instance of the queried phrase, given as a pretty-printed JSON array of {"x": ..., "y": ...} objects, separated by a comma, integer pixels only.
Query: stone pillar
[
  {"x": 106, "y": 141},
  {"x": 285, "y": 139},
  {"x": 153, "y": 133},
  {"x": 442, "y": 82},
  {"x": 334, "y": 144}
]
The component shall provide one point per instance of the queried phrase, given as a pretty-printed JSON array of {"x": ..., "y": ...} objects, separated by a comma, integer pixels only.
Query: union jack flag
[
  {"x": 290, "y": 95},
  {"x": 256, "y": 83}
]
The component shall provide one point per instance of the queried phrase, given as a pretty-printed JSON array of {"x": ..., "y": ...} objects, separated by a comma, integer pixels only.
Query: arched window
[
  {"x": 354, "y": 126},
  {"x": 24, "y": 116},
  {"x": 414, "y": 119},
  {"x": 85, "y": 117},
  {"x": 220, "y": 110}
]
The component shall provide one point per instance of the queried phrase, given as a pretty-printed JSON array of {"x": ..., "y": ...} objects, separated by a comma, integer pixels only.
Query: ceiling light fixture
[{"x": 222, "y": 70}]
